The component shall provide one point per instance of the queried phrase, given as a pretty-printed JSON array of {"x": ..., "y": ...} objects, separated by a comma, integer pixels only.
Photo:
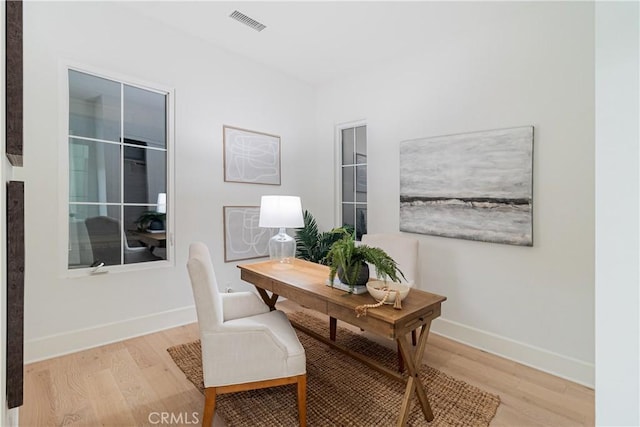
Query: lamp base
[{"x": 282, "y": 248}]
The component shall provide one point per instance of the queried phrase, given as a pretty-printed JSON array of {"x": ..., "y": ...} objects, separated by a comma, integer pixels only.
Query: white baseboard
[
  {"x": 82, "y": 339},
  {"x": 13, "y": 417},
  {"x": 556, "y": 364},
  {"x": 60, "y": 344}
]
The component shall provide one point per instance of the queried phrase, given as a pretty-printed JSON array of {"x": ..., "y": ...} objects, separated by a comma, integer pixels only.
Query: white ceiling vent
[{"x": 241, "y": 17}]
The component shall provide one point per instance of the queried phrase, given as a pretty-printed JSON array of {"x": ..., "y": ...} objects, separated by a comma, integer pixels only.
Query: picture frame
[
  {"x": 251, "y": 157},
  {"x": 14, "y": 59},
  {"x": 474, "y": 186},
  {"x": 15, "y": 262},
  {"x": 243, "y": 238}
]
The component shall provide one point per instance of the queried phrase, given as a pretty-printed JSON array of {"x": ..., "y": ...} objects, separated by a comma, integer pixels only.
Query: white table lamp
[
  {"x": 281, "y": 212},
  {"x": 162, "y": 203}
]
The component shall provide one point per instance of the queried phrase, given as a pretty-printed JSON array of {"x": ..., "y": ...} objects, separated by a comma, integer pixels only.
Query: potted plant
[
  {"x": 349, "y": 262},
  {"x": 313, "y": 245},
  {"x": 151, "y": 221}
]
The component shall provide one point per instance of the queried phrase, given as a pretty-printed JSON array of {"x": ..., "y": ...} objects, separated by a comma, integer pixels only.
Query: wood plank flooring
[{"x": 135, "y": 383}]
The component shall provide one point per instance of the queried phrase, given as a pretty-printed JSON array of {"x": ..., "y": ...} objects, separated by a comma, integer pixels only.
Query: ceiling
[{"x": 318, "y": 41}]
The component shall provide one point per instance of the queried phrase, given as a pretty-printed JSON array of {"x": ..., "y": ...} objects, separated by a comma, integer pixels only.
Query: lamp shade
[
  {"x": 162, "y": 203},
  {"x": 281, "y": 211}
]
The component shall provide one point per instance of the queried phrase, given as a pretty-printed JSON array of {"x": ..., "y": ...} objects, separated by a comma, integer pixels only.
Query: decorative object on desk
[
  {"x": 314, "y": 245},
  {"x": 243, "y": 238},
  {"x": 454, "y": 402},
  {"x": 281, "y": 212},
  {"x": 385, "y": 293},
  {"x": 358, "y": 289},
  {"x": 151, "y": 221},
  {"x": 475, "y": 186},
  {"x": 349, "y": 262},
  {"x": 361, "y": 310},
  {"x": 379, "y": 288},
  {"x": 251, "y": 157}
]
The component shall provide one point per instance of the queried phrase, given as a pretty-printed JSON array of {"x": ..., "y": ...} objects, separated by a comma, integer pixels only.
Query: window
[
  {"x": 118, "y": 157},
  {"x": 353, "y": 143}
]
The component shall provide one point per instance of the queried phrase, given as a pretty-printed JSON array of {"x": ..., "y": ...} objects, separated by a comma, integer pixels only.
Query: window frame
[
  {"x": 338, "y": 172},
  {"x": 64, "y": 172}
]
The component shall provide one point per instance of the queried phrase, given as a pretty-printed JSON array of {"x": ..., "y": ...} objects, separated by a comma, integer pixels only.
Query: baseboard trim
[
  {"x": 569, "y": 368},
  {"x": 556, "y": 364},
  {"x": 83, "y": 339}
]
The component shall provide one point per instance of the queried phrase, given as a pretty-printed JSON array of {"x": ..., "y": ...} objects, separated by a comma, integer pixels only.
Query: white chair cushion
[
  {"x": 242, "y": 304},
  {"x": 249, "y": 349}
]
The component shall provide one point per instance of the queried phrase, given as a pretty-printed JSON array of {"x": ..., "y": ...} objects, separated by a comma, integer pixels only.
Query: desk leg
[
  {"x": 269, "y": 300},
  {"x": 333, "y": 326},
  {"x": 413, "y": 360}
]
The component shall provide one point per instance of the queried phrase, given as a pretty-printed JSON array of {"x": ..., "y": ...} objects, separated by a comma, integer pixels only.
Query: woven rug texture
[{"x": 341, "y": 391}]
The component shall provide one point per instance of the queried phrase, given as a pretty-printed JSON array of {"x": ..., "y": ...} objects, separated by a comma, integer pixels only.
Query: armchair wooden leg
[
  {"x": 302, "y": 400},
  {"x": 209, "y": 406}
]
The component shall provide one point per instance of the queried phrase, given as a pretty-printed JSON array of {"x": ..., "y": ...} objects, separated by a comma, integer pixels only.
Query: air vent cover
[{"x": 241, "y": 17}]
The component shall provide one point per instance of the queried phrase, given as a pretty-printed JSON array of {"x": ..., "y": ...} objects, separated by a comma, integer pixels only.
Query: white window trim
[
  {"x": 63, "y": 175},
  {"x": 337, "y": 215}
]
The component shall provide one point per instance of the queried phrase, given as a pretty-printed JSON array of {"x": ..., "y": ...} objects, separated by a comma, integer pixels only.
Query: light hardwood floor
[{"x": 135, "y": 382}]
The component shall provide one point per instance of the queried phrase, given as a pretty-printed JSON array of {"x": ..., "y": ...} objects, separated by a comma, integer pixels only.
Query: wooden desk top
[
  {"x": 150, "y": 239},
  {"x": 306, "y": 281}
]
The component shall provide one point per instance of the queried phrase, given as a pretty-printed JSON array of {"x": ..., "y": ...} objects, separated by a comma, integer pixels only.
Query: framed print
[
  {"x": 476, "y": 186},
  {"x": 15, "y": 294},
  {"x": 14, "y": 81},
  {"x": 243, "y": 239},
  {"x": 251, "y": 157}
]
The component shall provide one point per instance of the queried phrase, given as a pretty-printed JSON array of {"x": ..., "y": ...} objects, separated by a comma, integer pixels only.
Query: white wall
[
  {"x": 489, "y": 66},
  {"x": 212, "y": 88},
  {"x": 617, "y": 213}
]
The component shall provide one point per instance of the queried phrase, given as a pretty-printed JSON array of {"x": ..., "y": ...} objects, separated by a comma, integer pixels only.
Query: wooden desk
[
  {"x": 305, "y": 283},
  {"x": 152, "y": 240}
]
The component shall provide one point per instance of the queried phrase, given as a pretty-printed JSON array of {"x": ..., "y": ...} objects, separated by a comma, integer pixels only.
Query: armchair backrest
[
  {"x": 404, "y": 250},
  {"x": 205, "y": 288}
]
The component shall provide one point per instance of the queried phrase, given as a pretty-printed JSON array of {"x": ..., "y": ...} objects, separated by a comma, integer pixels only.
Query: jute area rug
[{"x": 342, "y": 391}]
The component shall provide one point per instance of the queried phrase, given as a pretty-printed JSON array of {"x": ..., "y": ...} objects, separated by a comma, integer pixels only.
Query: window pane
[
  {"x": 361, "y": 183},
  {"x": 94, "y": 171},
  {"x": 361, "y": 220},
  {"x": 145, "y": 115},
  {"x": 145, "y": 175},
  {"x": 347, "y": 146},
  {"x": 94, "y": 235},
  {"x": 348, "y": 214},
  {"x": 142, "y": 248},
  {"x": 94, "y": 107},
  {"x": 348, "y": 185},
  {"x": 361, "y": 144}
]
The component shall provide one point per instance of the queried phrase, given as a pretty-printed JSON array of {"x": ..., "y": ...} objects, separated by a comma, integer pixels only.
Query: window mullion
[{"x": 122, "y": 224}]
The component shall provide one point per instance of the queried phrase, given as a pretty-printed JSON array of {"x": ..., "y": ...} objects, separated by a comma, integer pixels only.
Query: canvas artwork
[
  {"x": 475, "y": 186},
  {"x": 251, "y": 157},
  {"x": 243, "y": 239}
]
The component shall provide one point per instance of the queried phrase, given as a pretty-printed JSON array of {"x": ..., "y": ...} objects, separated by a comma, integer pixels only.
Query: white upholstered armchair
[
  {"x": 244, "y": 345},
  {"x": 404, "y": 250}
]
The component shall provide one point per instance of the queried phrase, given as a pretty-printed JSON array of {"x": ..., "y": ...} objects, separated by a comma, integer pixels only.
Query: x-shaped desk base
[
  {"x": 412, "y": 360},
  {"x": 305, "y": 283}
]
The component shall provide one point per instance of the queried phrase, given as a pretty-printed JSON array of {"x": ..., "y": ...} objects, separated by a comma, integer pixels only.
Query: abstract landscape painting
[{"x": 475, "y": 186}]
